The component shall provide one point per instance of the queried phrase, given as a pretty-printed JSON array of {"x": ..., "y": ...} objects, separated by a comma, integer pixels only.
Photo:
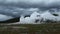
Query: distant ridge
[{"x": 13, "y": 20}]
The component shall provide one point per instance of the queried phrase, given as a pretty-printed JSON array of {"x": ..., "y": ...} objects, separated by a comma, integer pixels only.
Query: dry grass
[{"x": 30, "y": 29}]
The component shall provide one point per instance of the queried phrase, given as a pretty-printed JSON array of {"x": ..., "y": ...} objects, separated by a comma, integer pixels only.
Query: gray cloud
[
  {"x": 16, "y": 8},
  {"x": 16, "y": 12},
  {"x": 4, "y": 17},
  {"x": 32, "y": 3}
]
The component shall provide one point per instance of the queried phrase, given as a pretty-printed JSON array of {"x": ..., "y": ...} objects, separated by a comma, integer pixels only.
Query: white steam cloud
[{"x": 37, "y": 16}]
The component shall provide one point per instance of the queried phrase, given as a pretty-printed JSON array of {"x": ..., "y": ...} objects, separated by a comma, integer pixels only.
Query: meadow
[{"x": 53, "y": 28}]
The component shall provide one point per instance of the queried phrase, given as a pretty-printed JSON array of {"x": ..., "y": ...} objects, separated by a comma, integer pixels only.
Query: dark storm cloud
[
  {"x": 14, "y": 7},
  {"x": 32, "y": 3},
  {"x": 15, "y": 11}
]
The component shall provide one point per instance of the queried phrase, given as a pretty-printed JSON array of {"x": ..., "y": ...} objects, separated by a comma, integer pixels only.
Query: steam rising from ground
[{"x": 37, "y": 16}]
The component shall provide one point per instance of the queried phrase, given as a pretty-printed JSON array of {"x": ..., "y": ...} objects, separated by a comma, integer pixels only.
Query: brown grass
[{"x": 30, "y": 29}]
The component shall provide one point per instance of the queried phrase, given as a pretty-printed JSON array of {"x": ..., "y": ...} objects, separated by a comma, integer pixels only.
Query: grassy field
[{"x": 30, "y": 29}]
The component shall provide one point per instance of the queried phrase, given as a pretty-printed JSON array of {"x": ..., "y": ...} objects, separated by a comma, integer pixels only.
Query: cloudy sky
[
  {"x": 31, "y": 3},
  {"x": 15, "y": 8}
]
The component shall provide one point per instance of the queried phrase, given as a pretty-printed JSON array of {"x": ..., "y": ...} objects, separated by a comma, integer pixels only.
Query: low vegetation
[{"x": 53, "y": 28}]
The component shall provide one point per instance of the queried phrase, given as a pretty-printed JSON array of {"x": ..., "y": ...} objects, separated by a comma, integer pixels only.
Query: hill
[{"x": 11, "y": 20}]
